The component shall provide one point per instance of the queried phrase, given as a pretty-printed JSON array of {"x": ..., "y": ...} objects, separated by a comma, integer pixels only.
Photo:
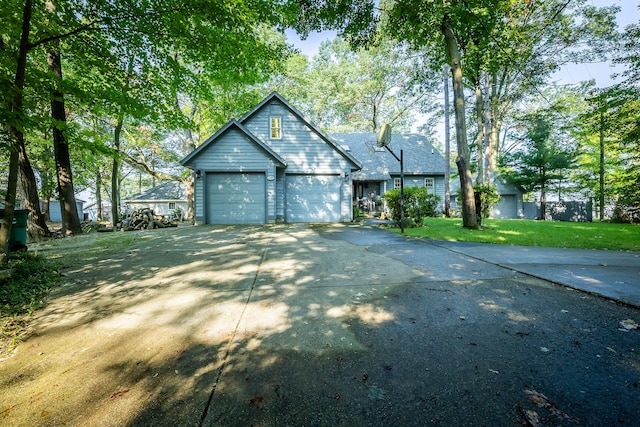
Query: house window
[
  {"x": 172, "y": 205},
  {"x": 396, "y": 182},
  {"x": 429, "y": 182},
  {"x": 276, "y": 128}
]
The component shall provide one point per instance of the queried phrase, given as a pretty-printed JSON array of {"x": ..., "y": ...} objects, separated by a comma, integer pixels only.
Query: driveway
[{"x": 320, "y": 325}]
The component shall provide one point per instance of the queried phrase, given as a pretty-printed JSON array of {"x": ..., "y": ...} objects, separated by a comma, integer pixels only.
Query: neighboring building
[
  {"x": 274, "y": 165},
  {"x": 55, "y": 213},
  {"x": 511, "y": 199},
  {"x": 162, "y": 199}
]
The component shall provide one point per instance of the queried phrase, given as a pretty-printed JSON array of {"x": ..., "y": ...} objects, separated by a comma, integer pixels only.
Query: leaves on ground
[{"x": 376, "y": 393}]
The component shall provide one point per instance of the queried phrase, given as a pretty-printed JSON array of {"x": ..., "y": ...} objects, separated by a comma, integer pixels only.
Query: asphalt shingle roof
[
  {"x": 420, "y": 157},
  {"x": 169, "y": 190}
]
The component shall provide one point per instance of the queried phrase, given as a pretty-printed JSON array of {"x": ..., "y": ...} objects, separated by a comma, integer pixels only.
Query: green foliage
[
  {"x": 418, "y": 204},
  {"x": 345, "y": 90},
  {"x": 486, "y": 197},
  {"x": 540, "y": 160},
  {"x": 27, "y": 280},
  {"x": 31, "y": 277},
  {"x": 357, "y": 212}
]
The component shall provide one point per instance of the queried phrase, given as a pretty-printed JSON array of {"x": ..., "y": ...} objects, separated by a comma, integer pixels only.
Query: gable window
[
  {"x": 276, "y": 128},
  {"x": 396, "y": 182},
  {"x": 172, "y": 205},
  {"x": 429, "y": 183}
]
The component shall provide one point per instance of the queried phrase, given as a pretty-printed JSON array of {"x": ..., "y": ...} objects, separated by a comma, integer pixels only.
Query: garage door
[
  {"x": 236, "y": 198},
  {"x": 312, "y": 198},
  {"x": 506, "y": 208}
]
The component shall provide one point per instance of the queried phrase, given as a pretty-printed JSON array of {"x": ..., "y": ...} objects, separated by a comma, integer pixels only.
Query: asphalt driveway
[{"x": 325, "y": 325}]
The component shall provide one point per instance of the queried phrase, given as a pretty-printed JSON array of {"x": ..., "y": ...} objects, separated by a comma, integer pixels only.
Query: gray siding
[
  {"x": 233, "y": 152},
  {"x": 304, "y": 151}
]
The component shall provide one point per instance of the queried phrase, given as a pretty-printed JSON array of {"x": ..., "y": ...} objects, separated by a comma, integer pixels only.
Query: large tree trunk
[
  {"x": 15, "y": 132},
  {"x": 37, "y": 221},
  {"x": 480, "y": 134},
  {"x": 98, "y": 195},
  {"x": 68, "y": 209},
  {"x": 115, "y": 173},
  {"x": 469, "y": 218},
  {"x": 447, "y": 146}
]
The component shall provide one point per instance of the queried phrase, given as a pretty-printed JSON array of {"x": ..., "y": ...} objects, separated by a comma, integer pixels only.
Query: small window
[
  {"x": 429, "y": 182},
  {"x": 172, "y": 205},
  {"x": 276, "y": 128},
  {"x": 396, "y": 182}
]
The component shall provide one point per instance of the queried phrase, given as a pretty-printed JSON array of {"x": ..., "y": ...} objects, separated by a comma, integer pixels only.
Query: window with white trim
[
  {"x": 276, "y": 127},
  {"x": 429, "y": 183},
  {"x": 396, "y": 182}
]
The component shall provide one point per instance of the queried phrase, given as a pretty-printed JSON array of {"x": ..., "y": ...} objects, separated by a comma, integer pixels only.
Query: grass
[
  {"x": 24, "y": 287},
  {"x": 582, "y": 235}
]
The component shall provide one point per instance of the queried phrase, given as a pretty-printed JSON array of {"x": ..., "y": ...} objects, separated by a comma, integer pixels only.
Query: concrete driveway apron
[{"x": 317, "y": 325}]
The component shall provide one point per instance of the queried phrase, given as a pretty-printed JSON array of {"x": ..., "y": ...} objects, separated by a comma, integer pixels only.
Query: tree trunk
[
  {"x": 37, "y": 221},
  {"x": 15, "y": 132},
  {"x": 115, "y": 172},
  {"x": 98, "y": 195},
  {"x": 68, "y": 208},
  {"x": 447, "y": 146},
  {"x": 480, "y": 134},
  {"x": 469, "y": 218},
  {"x": 487, "y": 129}
]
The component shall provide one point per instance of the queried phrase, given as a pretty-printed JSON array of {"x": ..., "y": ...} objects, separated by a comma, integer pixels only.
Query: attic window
[{"x": 276, "y": 128}]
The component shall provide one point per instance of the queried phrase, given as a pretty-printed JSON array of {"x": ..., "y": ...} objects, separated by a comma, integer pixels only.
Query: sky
[{"x": 570, "y": 74}]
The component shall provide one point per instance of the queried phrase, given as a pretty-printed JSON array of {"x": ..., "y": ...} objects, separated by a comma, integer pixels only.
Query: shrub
[
  {"x": 418, "y": 204},
  {"x": 626, "y": 214},
  {"x": 486, "y": 196}
]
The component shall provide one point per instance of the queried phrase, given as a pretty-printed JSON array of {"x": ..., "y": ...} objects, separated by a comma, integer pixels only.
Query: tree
[
  {"x": 540, "y": 160},
  {"x": 209, "y": 35}
]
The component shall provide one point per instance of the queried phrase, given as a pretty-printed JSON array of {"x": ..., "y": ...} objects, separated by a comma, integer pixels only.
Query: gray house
[
  {"x": 424, "y": 166},
  {"x": 271, "y": 165},
  {"x": 275, "y": 165},
  {"x": 163, "y": 199}
]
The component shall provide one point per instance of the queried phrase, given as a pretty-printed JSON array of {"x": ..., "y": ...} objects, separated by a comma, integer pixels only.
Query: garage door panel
[
  {"x": 236, "y": 198},
  {"x": 313, "y": 198}
]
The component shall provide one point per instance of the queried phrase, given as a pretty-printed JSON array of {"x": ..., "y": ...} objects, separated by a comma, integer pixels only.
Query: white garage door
[
  {"x": 236, "y": 198},
  {"x": 312, "y": 198}
]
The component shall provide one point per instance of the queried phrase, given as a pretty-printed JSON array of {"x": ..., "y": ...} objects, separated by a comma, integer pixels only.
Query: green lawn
[{"x": 583, "y": 235}]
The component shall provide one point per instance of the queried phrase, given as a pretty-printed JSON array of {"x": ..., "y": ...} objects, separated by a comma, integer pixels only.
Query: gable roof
[
  {"x": 324, "y": 136},
  {"x": 233, "y": 123},
  {"x": 169, "y": 190},
  {"x": 419, "y": 156}
]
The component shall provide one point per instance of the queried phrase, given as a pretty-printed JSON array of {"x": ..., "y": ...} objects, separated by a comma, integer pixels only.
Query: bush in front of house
[
  {"x": 486, "y": 196},
  {"x": 418, "y": 204}
]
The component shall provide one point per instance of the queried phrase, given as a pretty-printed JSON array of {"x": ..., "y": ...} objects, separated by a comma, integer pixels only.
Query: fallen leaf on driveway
[
  {"x": 256, "y": 400},
  {"x": 628, "y": 325},
  {"x": 119, "y": 393},
  {"x": 543, "y": 402}
]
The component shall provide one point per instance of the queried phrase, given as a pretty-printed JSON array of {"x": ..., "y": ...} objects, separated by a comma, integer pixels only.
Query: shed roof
[
  {"x": 169, "y": 190},
  {"x": 419, "y": 156}
]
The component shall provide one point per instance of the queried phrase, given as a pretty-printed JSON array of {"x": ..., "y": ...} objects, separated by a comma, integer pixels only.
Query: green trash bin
[{"x": 18, "y": 237}]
